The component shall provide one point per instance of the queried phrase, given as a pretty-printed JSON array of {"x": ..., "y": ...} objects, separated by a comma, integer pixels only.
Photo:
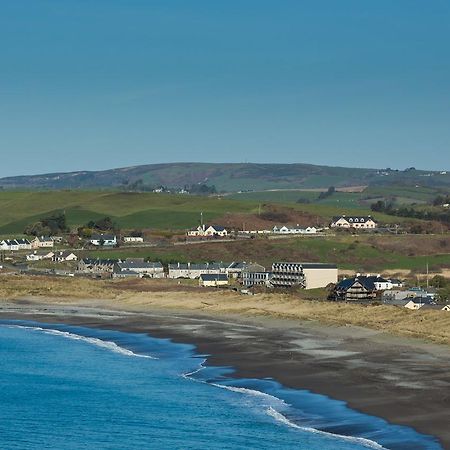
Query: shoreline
[{"x": 399, "y": 379}]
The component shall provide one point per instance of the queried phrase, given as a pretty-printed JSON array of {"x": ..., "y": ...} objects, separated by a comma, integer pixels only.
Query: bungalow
[
  {"x": 194, "y": 271},
  {"x": 64, "y": 256},
  {"x": 294, "y": 230},
  {"x": 42, "y": 242},
  {"x": 24, "y": 244},
  {"x": 139, "y": 267},
  {"x": 417, "y": 302},
  {"x": 133, "y": 239},
  {"x": 35, "y": 256},
  {"x": 105, "y": 240},
  {"x": 9, "y": 245},
  {"x": 402, "y": 297},
  {"x": 213, "y": 280},
  {"x": 358, "y": 222}
]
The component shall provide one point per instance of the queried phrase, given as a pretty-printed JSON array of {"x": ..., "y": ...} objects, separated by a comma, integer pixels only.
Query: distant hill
[{"x": 226, "y": 177}]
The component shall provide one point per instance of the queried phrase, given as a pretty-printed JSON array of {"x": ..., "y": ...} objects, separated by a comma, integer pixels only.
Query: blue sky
[{"x": 97, "y": 84}]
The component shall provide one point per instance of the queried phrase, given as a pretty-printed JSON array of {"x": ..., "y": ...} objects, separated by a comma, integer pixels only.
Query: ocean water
[{"x": 65, "y": 387}]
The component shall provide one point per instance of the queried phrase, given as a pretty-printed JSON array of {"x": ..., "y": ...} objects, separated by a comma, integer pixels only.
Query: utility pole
[{"x": 428, "y": 285}]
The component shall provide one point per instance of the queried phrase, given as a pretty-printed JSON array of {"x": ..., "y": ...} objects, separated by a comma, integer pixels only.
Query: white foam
[
  {"x": 188, "y": 375},
  {"x": 108, "y": 345},
  {"x": 279, "y": 417},
  {"x": 283, "y": 419},
  {"x": 253, "y": 393}
]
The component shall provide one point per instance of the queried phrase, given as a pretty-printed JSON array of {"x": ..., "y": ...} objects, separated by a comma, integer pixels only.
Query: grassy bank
[{"x": 145, "y": 295}]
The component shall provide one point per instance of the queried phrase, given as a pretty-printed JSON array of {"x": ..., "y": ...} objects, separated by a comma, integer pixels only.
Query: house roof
[
  {"x": 65, "y": 253},
  {"x": 23, "y": 241},
  {"x": 424, "y": 300},
  {"x": 105, "y": 237},
  {"x": 367, "y": 281},
  {"x": 307, "y": 265},
  {"x": 102, "y": 262},
  {"x": 354, "y": 219},
  {"x": 216, "y": 227},
  {"x": 214, "y": 277},
  {"x": 203, "y": 266},
  {"x": 129, "y": 265}
]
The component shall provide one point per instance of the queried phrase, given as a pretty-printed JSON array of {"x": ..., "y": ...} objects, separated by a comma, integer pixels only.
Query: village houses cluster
[{"x": 249, "y": 275}]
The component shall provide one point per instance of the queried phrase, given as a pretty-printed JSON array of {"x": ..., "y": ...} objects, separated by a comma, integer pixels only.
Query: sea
[{"x": 69, "y": 387}]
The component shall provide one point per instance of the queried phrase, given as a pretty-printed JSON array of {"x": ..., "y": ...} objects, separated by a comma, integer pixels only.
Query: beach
[{"x": 403, "y": 380}]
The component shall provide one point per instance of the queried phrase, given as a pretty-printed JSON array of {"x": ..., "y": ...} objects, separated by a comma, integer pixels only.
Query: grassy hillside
[
  {"x": 338, "y": 199},
  {"x": 163, "y": 211},
  {"x": 128, "y": 210},
  {"x": 369, "y": 253},
  {"x": 230, "y": 177},
  {"x": 398, "y": 194}
]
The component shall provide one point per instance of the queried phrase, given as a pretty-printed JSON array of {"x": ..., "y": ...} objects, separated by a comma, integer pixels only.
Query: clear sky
[{"x": 97, "y": 84}]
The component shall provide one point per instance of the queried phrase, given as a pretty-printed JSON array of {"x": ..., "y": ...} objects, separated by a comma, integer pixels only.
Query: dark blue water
[{"x": 64, "y": 387}]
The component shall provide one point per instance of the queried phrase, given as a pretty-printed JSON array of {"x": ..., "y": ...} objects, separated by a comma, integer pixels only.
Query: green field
[
  {"x": 131, "y": 210},
  {"x": 357, "y": 200},
  {"x": 128, "y": 210}
]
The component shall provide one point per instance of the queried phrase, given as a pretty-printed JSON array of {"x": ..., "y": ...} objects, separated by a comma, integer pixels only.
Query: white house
[
  {"x": 417, "y": 303},
  {"x": 42, "y": 242},
  {"x": 294, "y": 230},
  {"x": 64, "y": 256},
  {"x": 24, "y": 244},
  {"x": 35, "y": 256},
  {"x": 133, "y": 239},
  {"x": 9, "y": 245},
  {"x": 105, "y": 240},
  {"x": 359, "y": 222},
  {"x": 208, "y": 231}
]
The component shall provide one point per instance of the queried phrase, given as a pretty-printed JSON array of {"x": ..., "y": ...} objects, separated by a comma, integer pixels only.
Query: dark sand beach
[{"x": 405, "y": 381}]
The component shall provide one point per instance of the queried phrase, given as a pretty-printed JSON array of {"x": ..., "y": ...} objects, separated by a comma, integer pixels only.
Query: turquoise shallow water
[{"x": 65, "y": 387}]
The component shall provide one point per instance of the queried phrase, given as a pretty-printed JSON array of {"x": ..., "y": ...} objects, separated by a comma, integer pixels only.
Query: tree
[
  {"x": 51, "y": 225},
  {"x": 328, "y": 193}
]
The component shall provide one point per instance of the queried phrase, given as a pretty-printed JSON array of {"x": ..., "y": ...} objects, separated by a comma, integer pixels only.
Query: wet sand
[{"x": 405, "y": 381}]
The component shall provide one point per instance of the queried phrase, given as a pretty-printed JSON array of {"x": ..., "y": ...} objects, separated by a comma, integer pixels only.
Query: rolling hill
[
  {"x": 148, "y": 210},
  {"x": 233, "y": 177}
]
